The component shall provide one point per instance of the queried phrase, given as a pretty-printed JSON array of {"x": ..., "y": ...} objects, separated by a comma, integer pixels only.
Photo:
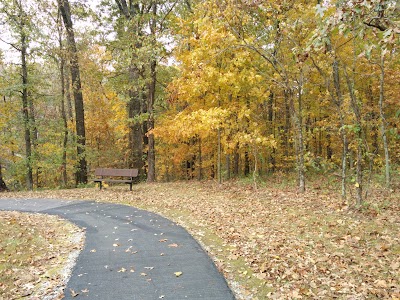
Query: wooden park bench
[{"x": 115, "y": 175}]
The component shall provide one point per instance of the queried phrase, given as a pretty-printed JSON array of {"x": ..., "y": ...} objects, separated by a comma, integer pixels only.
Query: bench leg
[
  {"x": 101, "y": 184},
  {"x": 130, "y": 186}
]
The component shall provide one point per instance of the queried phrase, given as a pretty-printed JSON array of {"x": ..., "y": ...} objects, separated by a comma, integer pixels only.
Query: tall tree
[
  {"x": 81, "y": 171},
  {"x": 63, "y": 83},
  {"x": 139, "y": 27},
  {"x": 20, "y": 24},
  {"x": 151, "y": 157},
  {"x": 130, "y": 32}
]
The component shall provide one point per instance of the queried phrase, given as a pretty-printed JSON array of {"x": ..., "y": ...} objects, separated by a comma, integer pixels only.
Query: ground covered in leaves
[
  {"x": 34, "y": 254},
  {"x": 273, "y": 243}
]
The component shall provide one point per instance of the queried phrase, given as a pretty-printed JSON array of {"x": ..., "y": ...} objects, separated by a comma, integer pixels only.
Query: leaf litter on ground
[
  {"x": 274, "y": 243},
  {"x": 36, "y": 255}
]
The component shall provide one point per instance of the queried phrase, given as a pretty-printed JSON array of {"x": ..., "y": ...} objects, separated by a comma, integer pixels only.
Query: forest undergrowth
[{"x": 272, "y": 242}]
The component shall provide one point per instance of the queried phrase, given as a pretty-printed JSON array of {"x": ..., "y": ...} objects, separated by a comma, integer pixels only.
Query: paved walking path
[{"x": 122, "y": 239}]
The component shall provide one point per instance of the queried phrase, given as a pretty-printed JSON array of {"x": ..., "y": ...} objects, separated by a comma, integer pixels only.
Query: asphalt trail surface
[{"x": 131, "y": 254}]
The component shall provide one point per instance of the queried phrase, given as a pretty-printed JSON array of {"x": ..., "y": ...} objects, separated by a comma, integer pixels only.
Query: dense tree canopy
[{"x": 201, "y": 89}]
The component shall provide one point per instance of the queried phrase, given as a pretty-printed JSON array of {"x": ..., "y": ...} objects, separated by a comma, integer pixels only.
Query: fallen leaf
[
  {"x": 73, "y": 293},
  {"x": 173, "y": 245},
  {"x": 380, "y": 283},
  {"x": 178, "y": 274},
  {"x": 261, "y": 276}
]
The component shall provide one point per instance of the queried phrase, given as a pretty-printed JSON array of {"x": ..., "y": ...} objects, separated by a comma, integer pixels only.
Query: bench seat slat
[
  {"x": 111, "y": 180},
  {"x": 116, "y": 172}
]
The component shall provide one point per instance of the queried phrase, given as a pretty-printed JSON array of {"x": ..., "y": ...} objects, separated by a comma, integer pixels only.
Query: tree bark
[
  {"x": 228, "y": 166},
  {"x": 339, "y": 102},
  {"x": 236, "y": 159},
  {"x": 3, "y": 186},
  {"x": 219, "y": 157},
  {"x": 64, "y": 177},
  {"x": 246, "y": 163},
  {"x": 359, "y": 137},
  {"x": 300, "y": 147},
  {"x": 383, "y": 121},
  {"x": 81, "y": 172},
  {"x": 151, "y": 157},
  {"x": 68, "y": 92},
  {"x": 298, "y": 123},
  {"x": 271, "y": 124},
  {"x": 286, "y": 132},
  {"x": 25, "y": 112},
  {"x": 200, "y": 162},
  {"x": 135, "y": 128},
  {"x": 34, "y": 137}
]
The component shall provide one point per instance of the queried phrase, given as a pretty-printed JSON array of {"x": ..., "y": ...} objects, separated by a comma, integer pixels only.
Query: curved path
[{"x": 132, "y": 254}]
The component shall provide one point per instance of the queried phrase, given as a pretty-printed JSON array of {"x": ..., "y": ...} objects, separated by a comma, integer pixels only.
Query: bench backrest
[{"x": 116, "y": 172}]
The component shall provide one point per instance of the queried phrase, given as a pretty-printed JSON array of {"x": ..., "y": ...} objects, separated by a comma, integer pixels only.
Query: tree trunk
[
  {"x": 236, "y": 159},
  {"x": 64, "y": 177},
  {"x": 300, "y": 146},
  {"x": 339, "y": 102},
  {"x": 3, "y": 186},
  {"x": 151, "y": 157},
  {"x": 65, "y": 133},
  {"x": 81, "y": 172},
  {"x": 255, "y": 171},
  {"x": 228, "y": 166},
  {"x": 68, "y": 93},
  {"x": 200, "y": 161},
  {"x": 298, "y": 121},
  {"x": 246, "y": 163},
  {"x": 287, "y": 125},
  {"x": 219, "y": 158},
  {"x": 359, "y": 137},
  {"x": 271, "y": 125},
  {"x": 345, "y": 150},
  {"x": 25, "y": 111},
  {"x": 329, "y": 151},
  {"x": 135, "y": 128},
  {"x": 383, "y": 121}
]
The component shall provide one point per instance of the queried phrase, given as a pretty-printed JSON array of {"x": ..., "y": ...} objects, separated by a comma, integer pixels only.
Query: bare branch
[
  {"x": 11, "y": 44},
  {"x": 376, "y": 22}
]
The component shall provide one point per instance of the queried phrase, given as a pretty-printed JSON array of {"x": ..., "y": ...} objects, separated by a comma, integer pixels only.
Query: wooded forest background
[{"x": 199, "y": 90}]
